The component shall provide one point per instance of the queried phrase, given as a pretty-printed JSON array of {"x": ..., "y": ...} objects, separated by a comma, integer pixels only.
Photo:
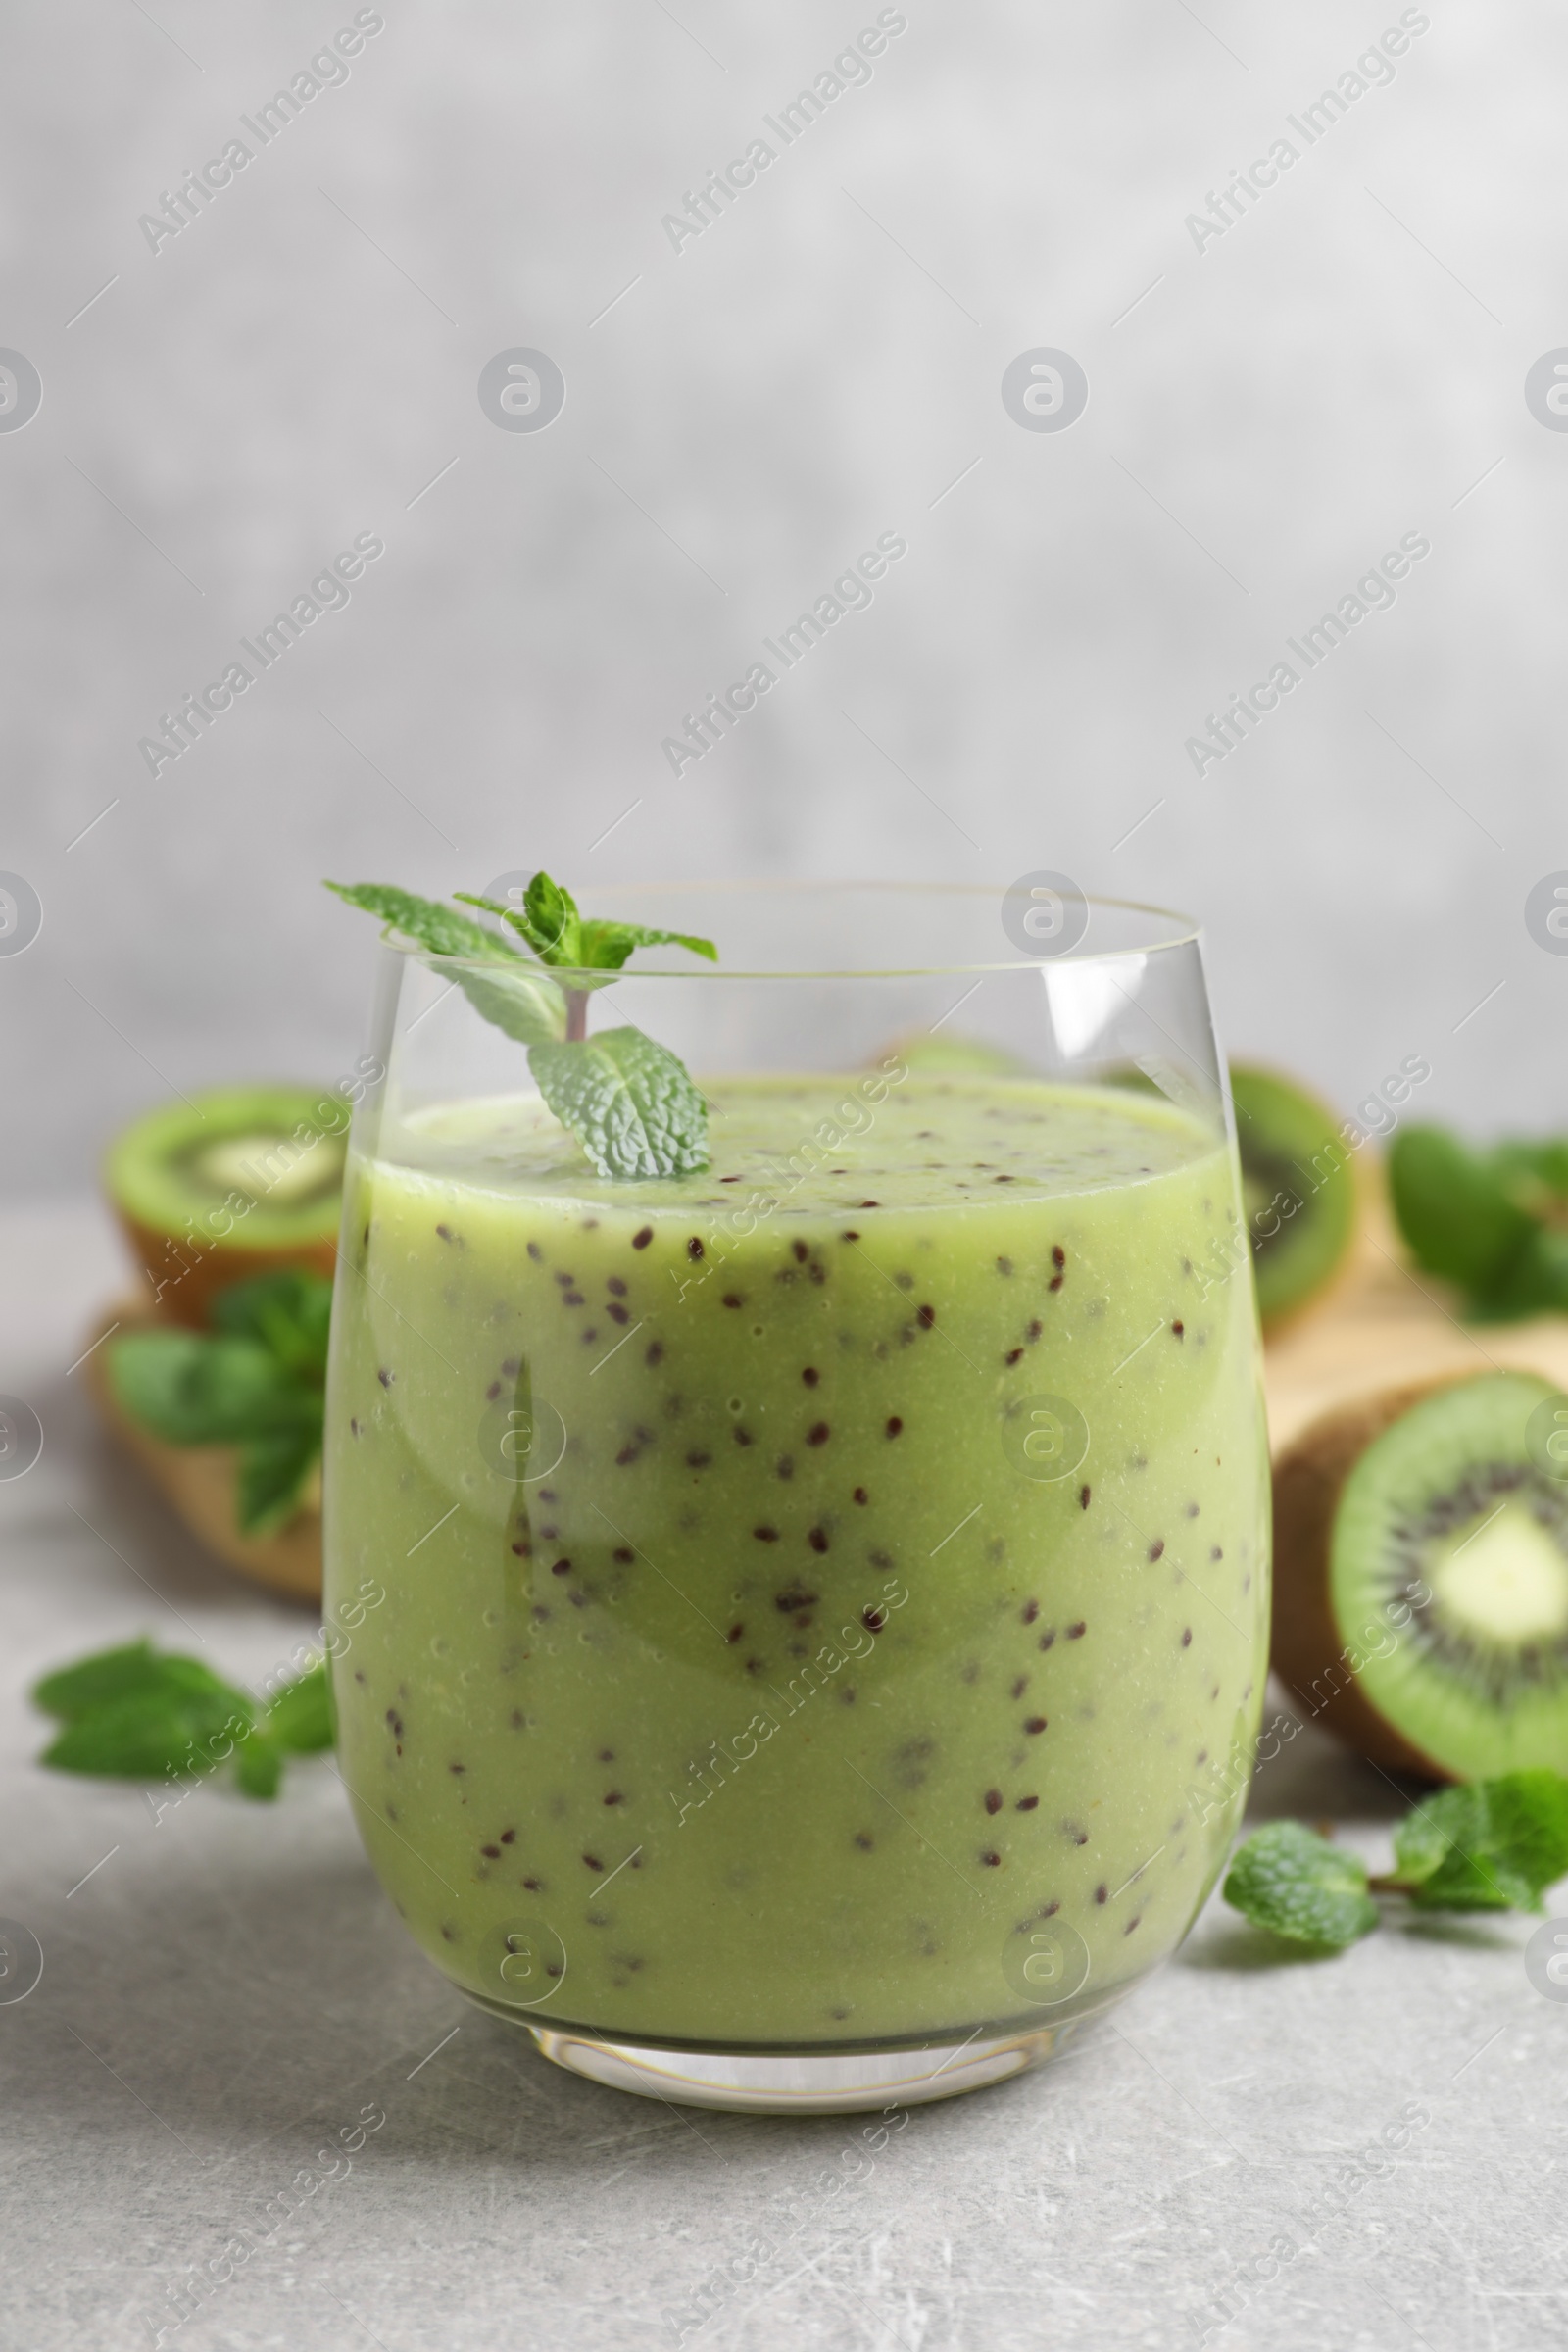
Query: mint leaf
[
  {"x": 629, "y": 1103},
  {"x": 300, "y": 1717},
  {"x": 1453, "y": 1208},
  {"x": 513, "y": 994},
  {"x": 1426, "y": 1836},
  {"x": 1535, "y": 1281},
  {"x": 258, "y": 1765},
  {"x": 144, "y": 1735},
  {"x": 1534, "y": 1175},
  {"x": 97, "y": 1681},
  {"x": 273, "y": 1472},
  {"x": 1296, "y": 1885},
  {"x": 194, "y": 1390},
  {"x": 287, "y": 1312},
  {"x": 550, "y": 922},
  {"x": 522, "y": 1002},
  {"x": 1491, "y": 1845},
  {"x": 428, "y": 923},
  {"x": 129, "y": 1739},
  {"x": 607, "y": 946},
  {"x": 134, "y": 1671},
  {"x": 1496, "y": 1222}
]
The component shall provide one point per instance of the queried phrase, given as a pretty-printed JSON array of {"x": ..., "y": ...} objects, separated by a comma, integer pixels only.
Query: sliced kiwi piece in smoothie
[
  {"x": 229, "y": 1185},
  {"x": 1421, "y": 1577},
  {"x": 1299, "y": 1189}
]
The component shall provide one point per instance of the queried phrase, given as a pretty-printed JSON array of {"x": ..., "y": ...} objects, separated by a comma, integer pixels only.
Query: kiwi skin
[
  {"x": 1306, "y": 1646},
  {"x": 184, "y": 1276}
]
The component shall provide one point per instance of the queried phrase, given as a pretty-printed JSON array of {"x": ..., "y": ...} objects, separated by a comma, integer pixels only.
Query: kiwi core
[
  {"x": 1507, "y": 1580},
  {"x": 254, "y": 1165}
]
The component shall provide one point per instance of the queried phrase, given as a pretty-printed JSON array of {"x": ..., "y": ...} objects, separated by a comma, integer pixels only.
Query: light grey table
[{"x": 225, "y": 1990}]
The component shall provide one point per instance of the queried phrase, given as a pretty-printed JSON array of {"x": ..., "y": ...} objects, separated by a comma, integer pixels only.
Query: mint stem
[{"x": 576, "y": 1014}]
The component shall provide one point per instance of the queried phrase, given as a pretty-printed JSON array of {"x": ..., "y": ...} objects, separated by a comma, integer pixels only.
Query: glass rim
[{"x": 1185, "y": 931}]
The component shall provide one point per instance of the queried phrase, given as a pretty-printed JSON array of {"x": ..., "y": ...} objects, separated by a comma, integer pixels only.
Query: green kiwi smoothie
[{"x": 803, "y": 1578}]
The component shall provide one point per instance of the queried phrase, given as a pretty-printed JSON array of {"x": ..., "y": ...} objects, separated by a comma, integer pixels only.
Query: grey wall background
[{"x": 1346, "y": 364}]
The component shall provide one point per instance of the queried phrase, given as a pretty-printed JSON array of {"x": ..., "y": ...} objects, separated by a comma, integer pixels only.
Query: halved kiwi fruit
[
  {"x": 1421, "y": 1577},
  {"x": 231, "y": 1184},
  {"x": 1298, "y": 1187}
]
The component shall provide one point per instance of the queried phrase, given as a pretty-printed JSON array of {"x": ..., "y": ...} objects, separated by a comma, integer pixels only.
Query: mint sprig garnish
[
  {"x": 1493, "y": 1221},
  {"x": 256, "y": 1381},
  {"x": 140, "y": 1714},
  {"x": 1488, "y": 1845},
  {"x": 629, "y": 1101}
]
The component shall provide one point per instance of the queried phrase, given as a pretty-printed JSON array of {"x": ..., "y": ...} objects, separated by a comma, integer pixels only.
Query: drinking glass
[{"x": 827, "y": 1593}]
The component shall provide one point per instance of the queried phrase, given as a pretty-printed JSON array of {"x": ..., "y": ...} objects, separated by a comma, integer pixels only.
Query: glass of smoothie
[{"x": 827, "y": 1591}]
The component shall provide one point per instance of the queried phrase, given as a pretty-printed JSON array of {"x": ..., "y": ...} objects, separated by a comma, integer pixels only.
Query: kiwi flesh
[
  {"x": 1421, "y": 1579},
  {"x": 1298, "y": 1187},
  {"x": 231, "y": 1184}
]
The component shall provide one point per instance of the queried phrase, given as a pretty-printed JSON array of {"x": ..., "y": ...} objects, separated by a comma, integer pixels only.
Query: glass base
[{"x": 811, "y": 2084}]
